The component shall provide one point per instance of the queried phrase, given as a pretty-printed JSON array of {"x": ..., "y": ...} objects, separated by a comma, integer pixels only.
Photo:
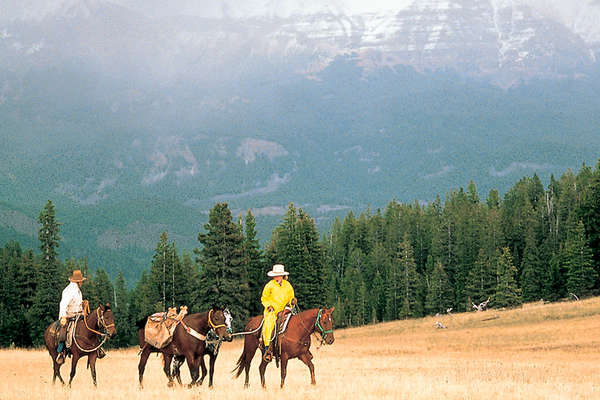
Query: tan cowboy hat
[
  {"x": 77, "y": 276},
  {"x": 278, "y": 270}
]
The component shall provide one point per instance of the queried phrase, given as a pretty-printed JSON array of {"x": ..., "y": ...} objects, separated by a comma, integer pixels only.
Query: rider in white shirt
[{"x": 71, "y": 304}]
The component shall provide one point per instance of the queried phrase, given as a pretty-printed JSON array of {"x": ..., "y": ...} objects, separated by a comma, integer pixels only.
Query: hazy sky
[{"x": 579, "y": 15}]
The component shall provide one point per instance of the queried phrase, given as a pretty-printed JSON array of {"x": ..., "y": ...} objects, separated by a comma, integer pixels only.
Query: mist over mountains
[{"x": 134, "y": 119}]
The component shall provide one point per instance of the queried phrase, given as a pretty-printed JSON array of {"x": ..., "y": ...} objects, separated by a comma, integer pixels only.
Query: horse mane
[{"x": 141, "y": 323}]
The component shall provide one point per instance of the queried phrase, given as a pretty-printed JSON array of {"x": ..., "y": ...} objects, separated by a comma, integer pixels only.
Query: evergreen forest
[{"x": 533, "y": 243}]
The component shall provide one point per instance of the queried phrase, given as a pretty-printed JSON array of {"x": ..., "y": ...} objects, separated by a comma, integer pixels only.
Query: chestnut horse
[
  {"x": 189, "y": 342},
  {"x": 91, "y": 332},
  {"x": 293, "y": 343}
]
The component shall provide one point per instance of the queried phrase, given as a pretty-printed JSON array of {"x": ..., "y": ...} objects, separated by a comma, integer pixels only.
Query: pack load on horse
[
  {"x": 159, "y": 328},
  {"x": 292, "y": 331},
  {"x": 189, "y": 341}
]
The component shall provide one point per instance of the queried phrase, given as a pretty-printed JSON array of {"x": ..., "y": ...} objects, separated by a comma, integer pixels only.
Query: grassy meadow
[{"x": 539, "y": 351}]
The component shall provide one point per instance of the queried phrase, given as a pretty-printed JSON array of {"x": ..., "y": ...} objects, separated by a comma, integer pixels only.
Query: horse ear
[{"x": 331, "y": 309}]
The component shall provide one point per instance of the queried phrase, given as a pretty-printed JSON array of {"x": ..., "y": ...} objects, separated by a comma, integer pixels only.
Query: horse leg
[
  {"x": 306, "y": 359},
  {"x": 203, "y": 366},
  {"x": 92, "y": 363},
  {"x": 142, "y": 364},
  {"x": 261, "y": 368},
  {"x": 211, "y": 372},
  {"x": 167, "y": 358},
  {"x": 251, "y": 350},
  {"x": 57, "y": 372},
  {"x": 192, "y": 362},
  {"x": 177, "y": 368},
  {"x": 74, "y": 360},
  {"x": 284, "y": 361}
]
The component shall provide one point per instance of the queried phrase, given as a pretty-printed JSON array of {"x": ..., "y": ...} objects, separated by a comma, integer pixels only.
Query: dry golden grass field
[{"x": 539, "y": 351}]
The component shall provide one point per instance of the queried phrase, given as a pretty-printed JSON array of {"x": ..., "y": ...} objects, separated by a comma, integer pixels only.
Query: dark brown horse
[
  {"x": 293, "y": 343},
  {"x": 91, "y": 332},
  {"x": 189, "y": 343}
]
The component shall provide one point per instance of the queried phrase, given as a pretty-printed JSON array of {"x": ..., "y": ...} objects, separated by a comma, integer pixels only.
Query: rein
[{"x": 100, "y": 319}]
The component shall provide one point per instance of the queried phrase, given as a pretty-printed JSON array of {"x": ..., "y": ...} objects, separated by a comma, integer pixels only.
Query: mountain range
[{"x": 136, "y": 118}]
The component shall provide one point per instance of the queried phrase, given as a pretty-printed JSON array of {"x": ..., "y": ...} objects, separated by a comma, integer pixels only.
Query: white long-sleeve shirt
[{"x": 71, "y": 301}]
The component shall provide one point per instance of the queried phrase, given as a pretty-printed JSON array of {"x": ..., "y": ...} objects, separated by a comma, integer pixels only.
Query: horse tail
[{"x": 239, "y": 366}]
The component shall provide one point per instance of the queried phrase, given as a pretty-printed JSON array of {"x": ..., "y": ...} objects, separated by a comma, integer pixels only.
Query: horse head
[
  {"x": 106, "y": 319},
  {"x": 218, "y": 321},
  {"x": 324, "y": 324}
]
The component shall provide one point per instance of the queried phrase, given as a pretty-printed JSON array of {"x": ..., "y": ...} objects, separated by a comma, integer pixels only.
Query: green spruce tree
[
  {"x": 507, "y": 293},
  {"x": 49, "y": 285},
  {"x": 224, "y": 278}
]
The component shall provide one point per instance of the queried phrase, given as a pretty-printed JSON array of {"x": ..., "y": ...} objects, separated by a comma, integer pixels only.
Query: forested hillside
[{"x": 406, "y": 260}]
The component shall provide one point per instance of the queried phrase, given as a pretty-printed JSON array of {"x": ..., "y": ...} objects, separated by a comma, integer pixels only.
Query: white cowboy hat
[{"x": 278, "y": 270}]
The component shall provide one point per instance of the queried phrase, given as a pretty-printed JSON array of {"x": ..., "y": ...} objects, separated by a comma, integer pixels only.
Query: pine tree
[
  {"x": 533, "y": 275},
  {"x": 142, "y": 299},
  {"x": 10, "y": 260},
  {"x": 255, "y": 264},
  {"x": 353, "y": 298},
  {"x": 48, "y": 286},
  {"x": 123, "y": 321},
  {"x": 439, "y": 295},
  {"x": 589, "y": 212},
  {"x": 412, "y": 305},
  {"x": 578, "y": 261},
  {"x": 377, "y": 298},
  {"x": 481, "y": 282},
  {"x": 187, "y": 281},
  {"x": 162, "y": 274},
  {"x": 224, "y": 278},
  {"x": 100, "y": 289},
  {"x": 507, "y": 293},
  {"x": 295, "y": 244}
]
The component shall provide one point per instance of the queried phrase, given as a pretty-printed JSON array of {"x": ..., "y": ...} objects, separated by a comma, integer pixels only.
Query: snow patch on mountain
[
  {"x": 518, "y": 166},
  {"x": 249, "y": 148}
]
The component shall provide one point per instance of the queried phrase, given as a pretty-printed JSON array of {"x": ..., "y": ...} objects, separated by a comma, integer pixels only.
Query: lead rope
[{"x": 75, "y": 337}]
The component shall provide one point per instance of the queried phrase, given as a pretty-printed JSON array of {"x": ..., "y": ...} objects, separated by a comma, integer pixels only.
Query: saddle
[
  {"x": 159, "y": 328},
  {"x": 65, "y": 334},
  {"x": 283, "y": 319}
]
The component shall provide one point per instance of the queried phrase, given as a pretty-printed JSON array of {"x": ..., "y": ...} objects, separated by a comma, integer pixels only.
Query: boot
[
  {"x": 268, "y": 356},
  {"x": 101, "y": 353}
]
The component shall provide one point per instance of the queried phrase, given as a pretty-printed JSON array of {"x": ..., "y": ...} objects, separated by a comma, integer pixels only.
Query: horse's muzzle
[{"x": 329, "y": 339}]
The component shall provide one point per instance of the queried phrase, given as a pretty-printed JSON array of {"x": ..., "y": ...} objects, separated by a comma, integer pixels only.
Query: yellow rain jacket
[{"x": 276, "y": 296}]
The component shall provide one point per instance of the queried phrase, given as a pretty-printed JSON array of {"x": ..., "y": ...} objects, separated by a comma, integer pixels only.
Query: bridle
[
  {"x": 212, "y": 324},
  {"x": 318, "y": 325}
]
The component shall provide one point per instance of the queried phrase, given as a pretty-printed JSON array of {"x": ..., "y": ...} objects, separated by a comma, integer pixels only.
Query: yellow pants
[{"x": 268, "y": 326}]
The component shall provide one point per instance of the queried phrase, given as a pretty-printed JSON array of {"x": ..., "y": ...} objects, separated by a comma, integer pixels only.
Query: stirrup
[
  {"x": 101, "y": 353},
  {"x": 60, "y": 358},
  {"x": 268, "y": 356}
]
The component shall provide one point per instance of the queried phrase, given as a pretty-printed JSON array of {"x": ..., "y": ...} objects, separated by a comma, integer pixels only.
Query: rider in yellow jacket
[{"x": 276, "y": 295}]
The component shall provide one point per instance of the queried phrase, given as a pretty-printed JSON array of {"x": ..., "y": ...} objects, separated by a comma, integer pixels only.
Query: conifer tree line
[{"x": 403, "y": 261}]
